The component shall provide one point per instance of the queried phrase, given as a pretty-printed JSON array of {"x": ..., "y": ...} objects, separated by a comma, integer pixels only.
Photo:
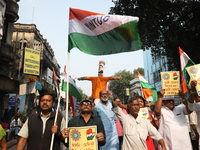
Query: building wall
[
  {"x": 8, "y": 57},
  {"x": 29, "y": 36},
  {"x": 153, "y": 65}
]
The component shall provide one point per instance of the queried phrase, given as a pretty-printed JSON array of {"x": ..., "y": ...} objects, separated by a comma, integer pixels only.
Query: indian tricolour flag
[
  {"x": 185, "y": 62},
  {"x": 99, "y": 34},
  {"x": 73, "y": 90},
  {"x": 149, "y": 92}
]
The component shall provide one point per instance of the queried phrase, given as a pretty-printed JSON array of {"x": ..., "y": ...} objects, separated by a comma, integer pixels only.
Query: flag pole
[
  {"x": 67, "y": 72},
  {"x": 58, "y": 105},
  {"x": 67, "y": 91}
]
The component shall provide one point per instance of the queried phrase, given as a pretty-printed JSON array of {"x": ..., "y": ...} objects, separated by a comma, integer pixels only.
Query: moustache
[
  {"x": 136, "y": 109},
  {"x": 44, "y": 105},
  {"x": 86, "y": 107}
]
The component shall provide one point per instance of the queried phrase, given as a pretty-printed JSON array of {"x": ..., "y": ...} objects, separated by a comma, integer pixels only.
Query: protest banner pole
[{"x": 58, "y": 105}]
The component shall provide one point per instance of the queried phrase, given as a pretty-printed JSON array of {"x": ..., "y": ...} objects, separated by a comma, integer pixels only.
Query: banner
[
  {"x": 171, "y": 83},
  {"x": 31, "y": 61},
  {"x": 83, "y": 138},
  {"x": 194, "y": 72}
]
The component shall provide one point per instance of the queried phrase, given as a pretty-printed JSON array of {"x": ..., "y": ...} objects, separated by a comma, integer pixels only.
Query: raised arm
[
  {"x": 117, "y": 78},
  {"x": 184, "y": 101},
  {"x": 82, "y": 78},
  {"x": 115, "y": 104},
  {"x": 193, "y": 91},
  {"x": 158, "y": 105}
]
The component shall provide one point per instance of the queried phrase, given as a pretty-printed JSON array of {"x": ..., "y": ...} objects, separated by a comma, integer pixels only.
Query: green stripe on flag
[
  {"x": 124, "y": 38},
  {"x": 148, "y": 86},
  {"x": 72, "y": 90}
]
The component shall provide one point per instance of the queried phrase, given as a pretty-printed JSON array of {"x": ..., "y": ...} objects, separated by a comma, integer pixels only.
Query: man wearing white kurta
[
  {"x": 135, "y": 128},
  {"x": 173, "y": 124},
  {"x": 195, "y": 106}
]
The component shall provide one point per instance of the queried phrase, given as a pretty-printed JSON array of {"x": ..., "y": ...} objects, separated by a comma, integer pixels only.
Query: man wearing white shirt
[
  {"x": 135, "y": 128},
  {"x": 173, "y": 124}
]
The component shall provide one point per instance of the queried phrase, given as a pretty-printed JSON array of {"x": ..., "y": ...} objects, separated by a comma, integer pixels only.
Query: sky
[{"x": 51, "y": 19}]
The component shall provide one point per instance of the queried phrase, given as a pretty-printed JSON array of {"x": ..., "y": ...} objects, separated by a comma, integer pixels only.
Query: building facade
[
  {"x": 154, "y": 64},
  {"x": 8, "y": 55},
  {"x": 28, "y": 36}
]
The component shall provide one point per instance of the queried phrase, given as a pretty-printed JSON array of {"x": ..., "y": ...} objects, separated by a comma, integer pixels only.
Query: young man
[
  {"x": 173, "y": 125},
  {"x": 86, "y": 118},
  {"x": 38, "y": 128},
  {"x": 136, "y": 129}
]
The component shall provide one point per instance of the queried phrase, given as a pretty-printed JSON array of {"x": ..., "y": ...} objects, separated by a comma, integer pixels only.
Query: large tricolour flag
[
  {"x": 185, "y": 62},
  {"x": 149, "y": 92},
  {"x": 99, "y": 34}
]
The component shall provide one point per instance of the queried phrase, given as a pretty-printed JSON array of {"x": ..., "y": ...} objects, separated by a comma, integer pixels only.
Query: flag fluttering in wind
[
  {"x": 185, "y": 62},
  {"x": 54, "y": 79},
  {"x": 149, "y": 92},
  {"x": 99, "y": 34},
  {"x": 73, "y": 90}
]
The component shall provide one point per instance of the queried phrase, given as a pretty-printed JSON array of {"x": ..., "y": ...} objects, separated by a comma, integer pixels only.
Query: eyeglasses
[
  {"x": 48, "y": 100},
  {"x": 86, "y": 103}
]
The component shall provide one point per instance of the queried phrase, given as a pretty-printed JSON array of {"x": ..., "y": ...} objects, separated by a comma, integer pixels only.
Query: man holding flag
[{"x": 38, "y": 128}]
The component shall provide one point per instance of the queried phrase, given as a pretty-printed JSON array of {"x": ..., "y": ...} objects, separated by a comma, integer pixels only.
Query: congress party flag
[
  {"x": 99, "y": 34},
  {"x": 185, "y": 62},
  {"x": 149, "y": 92}
]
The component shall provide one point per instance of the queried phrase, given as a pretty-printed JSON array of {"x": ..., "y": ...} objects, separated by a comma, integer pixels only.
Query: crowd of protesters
[{"x": 119, "y": 126}]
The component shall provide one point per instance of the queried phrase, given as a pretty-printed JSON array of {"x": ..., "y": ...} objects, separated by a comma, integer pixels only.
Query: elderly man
[
  {"x": 87, "y": 119},
  {"x": 103, "y": 110},
  {"x": 136, "y": 129},
  {"x": 38, "y": 128},
  {"x": 173, "y": 125}
]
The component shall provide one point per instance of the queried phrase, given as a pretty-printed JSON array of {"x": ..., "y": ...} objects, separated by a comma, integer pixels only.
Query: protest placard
[
  {"x": 83, "y": 138},
  {"x": 194, "y": 73},
  {"x": 171, "y": 84}
]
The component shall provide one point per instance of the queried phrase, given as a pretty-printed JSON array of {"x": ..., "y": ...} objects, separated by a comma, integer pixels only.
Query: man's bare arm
[
  {"x": 21, "y": 144},
  {"x": 158, "y": 105},
  {"x": 192, "y": 92},
  {"x": 82, "y": 78},
  {"x": 117, "y": 78}
]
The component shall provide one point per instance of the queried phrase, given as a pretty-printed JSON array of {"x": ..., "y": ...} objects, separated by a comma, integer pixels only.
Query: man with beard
[
  {"x": 103, "y": 110},
  {"x": 135, "y": 128},
  {"x": 173, "y": 125},
  {"x": 87, "y": 119},
  {"x": 38, "y": 128}
]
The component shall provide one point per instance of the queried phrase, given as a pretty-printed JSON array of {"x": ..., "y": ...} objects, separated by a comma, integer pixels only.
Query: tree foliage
[
  {"x": 118, "y": 87},
  {"x": 140, "y": 70},
  {"x": 164, "y": 25}
]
